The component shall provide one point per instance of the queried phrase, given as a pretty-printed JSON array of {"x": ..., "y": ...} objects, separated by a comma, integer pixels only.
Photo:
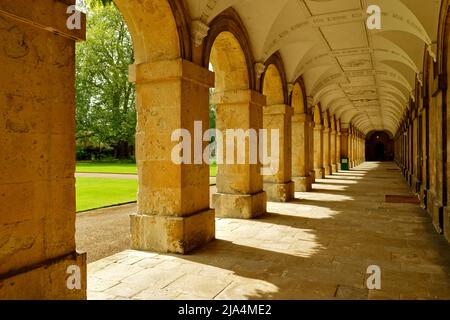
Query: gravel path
[{"x": 104, "y": 232}]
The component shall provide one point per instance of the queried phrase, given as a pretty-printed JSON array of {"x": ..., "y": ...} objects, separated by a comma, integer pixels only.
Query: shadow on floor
[{"x": 320, "y": 245}]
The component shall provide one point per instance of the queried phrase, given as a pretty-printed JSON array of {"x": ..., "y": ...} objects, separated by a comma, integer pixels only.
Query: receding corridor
[{"x": 316, "y": 247}]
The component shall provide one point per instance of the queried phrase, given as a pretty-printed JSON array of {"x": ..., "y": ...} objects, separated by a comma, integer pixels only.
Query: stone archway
[
  {"x": 278, "y": 116},
  {"x": 239, "y": 186},
  {"x": 301, "y": 136},
  {"x": 379, "y": 147},
  {"x": 173, "y": 199}
]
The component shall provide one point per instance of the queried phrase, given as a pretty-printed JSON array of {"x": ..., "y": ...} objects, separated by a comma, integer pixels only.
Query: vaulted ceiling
[{"x": 364, "y": 77}]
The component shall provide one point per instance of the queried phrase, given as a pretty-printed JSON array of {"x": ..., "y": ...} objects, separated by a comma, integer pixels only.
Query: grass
[
  {"x": 213, "y": 170},
  {"x": 106, "y": 167},
  {"x": 95, "y": 193},
  {"x": 119, "y": 168}
]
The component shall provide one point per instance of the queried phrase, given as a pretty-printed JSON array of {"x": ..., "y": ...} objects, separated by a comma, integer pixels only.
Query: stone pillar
[
  {"x": 424, "y": 154},
  {"x": 333, "y": 145},
  {"x": 37, "y": 152},
  {"x": 338, "y": 145},
  {"x": 301, "y": 152},
  {"x": 436, "y": 167},
  {"x": 361, "y": 149},
  {"x": 239, "y": 186},
  {"x": 350, "y": 147},
  {"x": 312, "y": 172},
  {"x": 278, "y": 186},
  {"x": 319, "y": 170},
  {"x": 344, "y": 142},
  {"x": 358, "y": 148},
  {"x": 326, "y": 144},
  {"x": 173, "y": 212}
]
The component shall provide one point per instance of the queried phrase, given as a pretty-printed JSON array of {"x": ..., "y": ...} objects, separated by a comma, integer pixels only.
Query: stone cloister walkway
[{"x": 317, "y": 247}]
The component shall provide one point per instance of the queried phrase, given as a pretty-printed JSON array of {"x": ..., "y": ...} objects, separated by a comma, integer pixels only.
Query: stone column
[
  {"x": 173, "y": 212},
  {"x": 338, "y": 145},
  {"x": 278, "y": 186},
  {"x": 436, "y": 204},
  {"x": 361, "y": 149},
  {"x": 344, "y": 142},
  {"x": 333, "y": 145},
  {"x": 350, "y": 147},
  {"x": 326, "y": 150},
  {"x": 358, "y": 149},
  {"x": 301, "y": 152},
  {"x": 37, "y": 152},
  {"x": 240, "y": 186},
  {"x": 319, "y": 170},
  {"x": 312, "y": 172}
]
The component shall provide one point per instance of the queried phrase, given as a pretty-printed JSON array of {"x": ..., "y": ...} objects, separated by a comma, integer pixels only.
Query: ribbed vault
[{"x": 364, "y": 77}]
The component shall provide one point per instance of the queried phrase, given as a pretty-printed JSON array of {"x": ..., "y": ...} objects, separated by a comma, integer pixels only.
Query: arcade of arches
[{"x": 289, "y": 65}]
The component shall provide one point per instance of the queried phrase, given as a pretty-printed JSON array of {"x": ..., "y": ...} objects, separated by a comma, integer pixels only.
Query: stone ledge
[
  {"x": 45, "y": 281},
  {"x": 240, "y": 206},
  {"x": 279, "y": 192},
  {"x": 172, "y": 234},
  {"x": 168, "y": 70},
  {"x": 238, "y": 97}
]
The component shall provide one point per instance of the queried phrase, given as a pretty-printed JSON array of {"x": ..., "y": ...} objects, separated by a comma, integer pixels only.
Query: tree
[{"x": 106, "y": 112}]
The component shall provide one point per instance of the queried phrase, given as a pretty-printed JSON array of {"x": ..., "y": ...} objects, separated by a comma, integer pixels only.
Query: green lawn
[
  {"x": 213, "y": 170},
  {"x": 95, "y": 193},
  {"x": 106, "y": 167},
  {"x": 119, "y": 168}
]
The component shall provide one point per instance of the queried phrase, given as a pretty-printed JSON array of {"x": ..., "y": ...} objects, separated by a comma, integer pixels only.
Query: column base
[
  {"x": 302, "y": 184},
  {"x": 319, "y": 173},
  {"x": 447, "y": 224},
  {"x": 312, "y": 174},
  {"x": 171, "y": 234},
  {"x": 279, "y": 192},
  {"x": 240, "y": 206},
  {"x": 435, "y": 209},
  {"x": 45, "y": 281},
  {"x": 327, "y": 170},
  {"x": 334, "y": 168},
  {"x": 423, "y": 198},
  {"x": 338, "y": 167}
]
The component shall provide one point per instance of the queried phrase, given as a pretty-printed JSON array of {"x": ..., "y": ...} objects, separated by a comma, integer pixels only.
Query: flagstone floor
[{"x": 316, "y": 247}]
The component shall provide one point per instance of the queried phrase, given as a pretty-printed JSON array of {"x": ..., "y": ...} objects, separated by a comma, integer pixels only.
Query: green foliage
[{"x": 106, "y": 112}]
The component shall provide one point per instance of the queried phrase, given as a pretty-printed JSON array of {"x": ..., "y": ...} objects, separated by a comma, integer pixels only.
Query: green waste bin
[{"x": 344, "y": 164}]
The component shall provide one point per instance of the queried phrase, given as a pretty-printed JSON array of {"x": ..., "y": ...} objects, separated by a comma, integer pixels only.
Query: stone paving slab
[{"x": 316, "y": 247}]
